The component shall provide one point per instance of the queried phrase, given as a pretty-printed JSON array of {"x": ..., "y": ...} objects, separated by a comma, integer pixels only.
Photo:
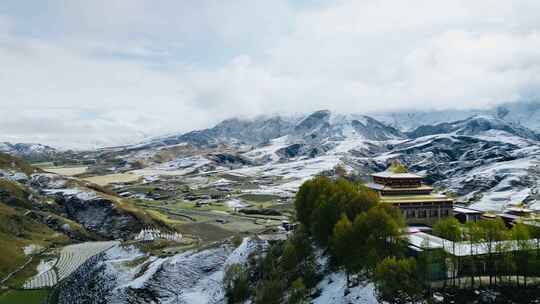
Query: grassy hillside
[
  {"x": 17, "y": 231},
  {"x": 15, "y": 194},
  {"x": 8, "y": 162},
  {"x": 24, "y": 297}
]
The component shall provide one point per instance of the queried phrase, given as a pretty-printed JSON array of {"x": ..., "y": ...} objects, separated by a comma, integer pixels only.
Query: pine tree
[
  {"x": 342, "y": 243},
  {"x": 450, "y": 229},
  {"x": 396, "y": 280}
]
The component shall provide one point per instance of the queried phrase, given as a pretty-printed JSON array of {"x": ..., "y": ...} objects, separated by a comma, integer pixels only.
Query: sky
[{"x": 83, "y": 74}]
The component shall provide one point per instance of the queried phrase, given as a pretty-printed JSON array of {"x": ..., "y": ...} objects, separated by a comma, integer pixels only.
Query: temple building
[{"x": 416, "y": 201}]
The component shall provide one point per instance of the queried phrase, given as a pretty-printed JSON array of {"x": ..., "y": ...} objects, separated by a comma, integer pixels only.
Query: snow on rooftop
[
  {"x": 424, "y": 240},
  {"x": 466, "y": 210}
]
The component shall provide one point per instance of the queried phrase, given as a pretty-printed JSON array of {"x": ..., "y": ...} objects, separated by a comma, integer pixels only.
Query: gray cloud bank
[{"x": 103, "y": 72}]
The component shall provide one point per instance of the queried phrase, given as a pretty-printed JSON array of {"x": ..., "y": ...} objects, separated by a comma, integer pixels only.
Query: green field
[
  {"x": 259, "y": 198},
  {"x": 24, "y": 296}
]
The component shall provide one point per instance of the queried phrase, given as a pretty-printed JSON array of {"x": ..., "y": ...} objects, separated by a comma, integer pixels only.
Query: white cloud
[{"x": 83, "y": 73}]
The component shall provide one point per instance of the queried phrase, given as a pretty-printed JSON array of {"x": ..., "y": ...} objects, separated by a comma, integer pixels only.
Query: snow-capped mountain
[
  {"x": 315, "y": 127},
  {"x": 484, "y": 160},
  {"x": 525, "y": 113},
  {"x": 28, "y": 150},
  {"x": 476, "y": 126}
]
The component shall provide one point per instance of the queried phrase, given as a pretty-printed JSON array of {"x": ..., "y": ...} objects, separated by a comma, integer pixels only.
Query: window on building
[
  {"x": 445, "y": 212},
  {"x": 421, "y": 213},
  {"x": 434, "y": 213}
]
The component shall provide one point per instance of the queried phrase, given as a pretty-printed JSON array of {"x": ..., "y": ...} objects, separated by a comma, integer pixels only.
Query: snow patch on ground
[
  {"x": 269, "y": 150},
  {"x": 235, "y": 203},
  {"x": 241, "y": 253},
  {"x": 45, "y": 266},
  {"x": 152, "y": 269},
  {"x": 297, "y": 172},
  {"x": 115, "y": 264},
  {"x": 333, "y": 288},
  {"x": 14, "y": 176},
  {"x": 83, "y": 195},
  {"x": 31, "y": 249},
  {"x": 504, "y": 137}
]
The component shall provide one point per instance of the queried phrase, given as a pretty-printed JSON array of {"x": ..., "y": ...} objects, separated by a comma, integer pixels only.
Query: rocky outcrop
[{"x": 101, "y": 216}]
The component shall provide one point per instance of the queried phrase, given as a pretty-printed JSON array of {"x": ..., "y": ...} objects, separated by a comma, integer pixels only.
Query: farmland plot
[{"x": 71, "y": 258}]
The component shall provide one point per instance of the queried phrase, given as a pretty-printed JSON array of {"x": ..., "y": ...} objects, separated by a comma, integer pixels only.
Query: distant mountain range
[
  {"x": 485, "y": 160},
  {"x": 489, "y": 159},
  {"x": 525, "y": 113},
  {"x": 31, "y": 151}
]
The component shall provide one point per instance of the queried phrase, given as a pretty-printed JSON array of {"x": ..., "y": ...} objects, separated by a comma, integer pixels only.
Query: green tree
[
  {"x": 474, "y": 235},
  {"x": 360, "y": 200},
  {"x": 298, "y": 292},
  {"x": 492, "y": 231},
  {"x": 450, "y": 229},
  {"x": 396, "y": 280},
  {"x": 378, "y": 235},
  {"x": 236, "y": 283},
  {"x": 501, "y": 248},
  {"x": 269, "y": 291},
  {"x": 341, "y": 245},
  {"x": 309, "y": 195},
  {"x": 520, "y": 234},
  {"x": 323, "y": 219},
  {"x": 289, "y": 259}
]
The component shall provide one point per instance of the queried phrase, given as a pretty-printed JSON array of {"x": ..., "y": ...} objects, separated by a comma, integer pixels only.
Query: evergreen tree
[
  {"x": 450, "y": 229},
  {"x": 378, "y": 235},
  {"x": 309, "y": 195},
  {"x": 521, "y": 235},
  {"x": 342, "y": 245},
  {"x": 492, "y": 231},
  {"x": 298, "y": 292},
  {"x": 474, "y": 235},
  {"x": 396, "y": 280},
  {"x": 236, "y": 283},
  {"x": 270, "y": 291}
]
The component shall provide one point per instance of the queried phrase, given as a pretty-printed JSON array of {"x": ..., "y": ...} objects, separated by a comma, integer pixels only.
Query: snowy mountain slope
[
  {"x": 486, "y": 162},
  {"x": 276, "y": 154},
  {"x": 525, "y": 113},
  {"x": 29, "y": 151},
  {"x": 311, "y": 128},
  {"x": 191, "y": 277},
  {"x": 451, "y": 155},
  {"x": 475, "y": 126}
]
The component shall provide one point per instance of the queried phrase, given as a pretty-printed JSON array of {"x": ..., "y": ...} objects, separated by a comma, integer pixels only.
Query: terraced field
[{"x": 71, "y": 258}]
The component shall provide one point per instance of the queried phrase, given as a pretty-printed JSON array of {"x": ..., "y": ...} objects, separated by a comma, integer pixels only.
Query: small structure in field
[{"x": 152, "y": 234}]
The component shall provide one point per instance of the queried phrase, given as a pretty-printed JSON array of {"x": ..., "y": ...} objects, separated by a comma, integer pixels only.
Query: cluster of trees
[
  {"x": 509, "y": 256},
  {"x": 284, "y": 273},
  {"x": 363, "y": 237}
]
